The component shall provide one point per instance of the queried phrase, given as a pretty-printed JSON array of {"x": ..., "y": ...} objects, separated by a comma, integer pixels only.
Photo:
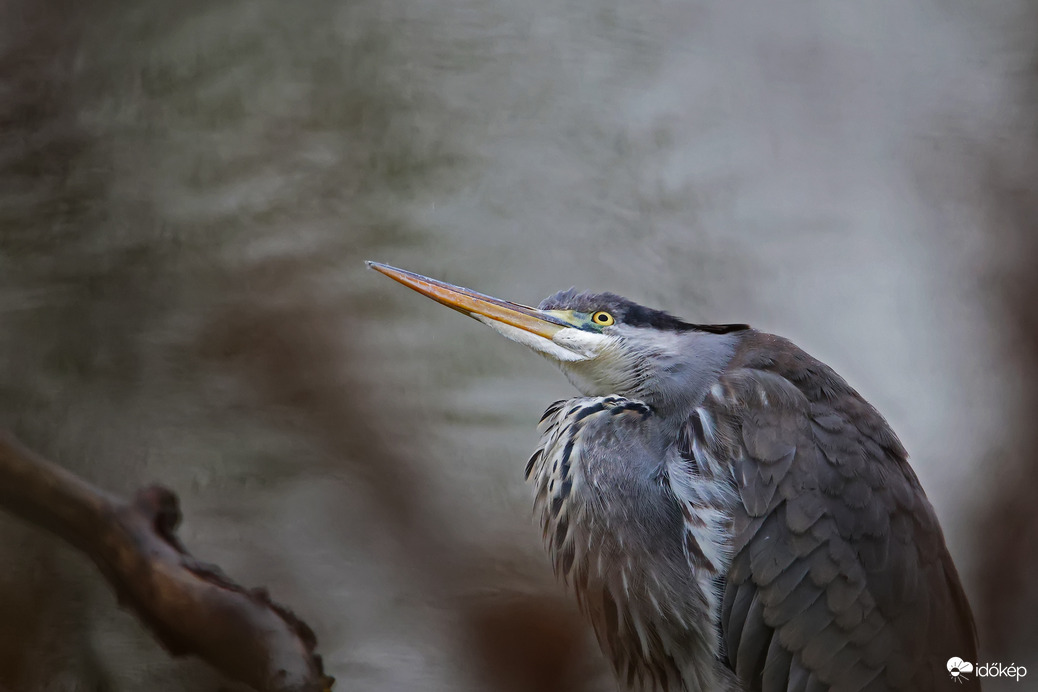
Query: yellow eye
[{"x": 602, "y": 319}]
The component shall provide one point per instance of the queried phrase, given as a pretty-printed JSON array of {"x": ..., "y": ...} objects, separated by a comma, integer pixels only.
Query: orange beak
[{"x": 539, "y": 322}]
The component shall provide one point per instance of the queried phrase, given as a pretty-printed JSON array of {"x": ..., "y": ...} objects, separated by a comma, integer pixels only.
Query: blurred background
[{"x": 188, "y": 191}]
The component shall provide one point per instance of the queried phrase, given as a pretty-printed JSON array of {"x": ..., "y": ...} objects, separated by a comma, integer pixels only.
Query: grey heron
[{"x": 730, "y": 514}]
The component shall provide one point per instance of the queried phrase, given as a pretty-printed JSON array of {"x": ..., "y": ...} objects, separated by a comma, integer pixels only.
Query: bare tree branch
[{"x": 192, "y": 607}]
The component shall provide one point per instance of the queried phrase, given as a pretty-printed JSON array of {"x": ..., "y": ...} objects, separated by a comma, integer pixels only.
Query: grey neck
[{"x": 682, "y": 366}]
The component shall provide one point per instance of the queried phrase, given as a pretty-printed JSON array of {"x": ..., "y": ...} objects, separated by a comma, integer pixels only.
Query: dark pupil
[{"x": 601, "y": 317}]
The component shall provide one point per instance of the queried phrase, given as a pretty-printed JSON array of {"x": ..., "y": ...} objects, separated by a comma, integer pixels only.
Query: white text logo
[{"x": 960, "y": 670}]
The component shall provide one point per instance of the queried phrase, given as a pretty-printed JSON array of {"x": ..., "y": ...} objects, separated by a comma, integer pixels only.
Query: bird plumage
[
  {"x": 782, "y": 514},
  {"x": 839, "y": 566},
  {"x": 632, "y": 569}
]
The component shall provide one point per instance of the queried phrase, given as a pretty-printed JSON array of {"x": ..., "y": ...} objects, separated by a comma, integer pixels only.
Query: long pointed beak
[{"x": 477, "y": 305}]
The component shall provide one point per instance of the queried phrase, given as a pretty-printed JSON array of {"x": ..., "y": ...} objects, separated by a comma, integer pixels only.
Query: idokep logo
[{"x": 961, "y": 671}]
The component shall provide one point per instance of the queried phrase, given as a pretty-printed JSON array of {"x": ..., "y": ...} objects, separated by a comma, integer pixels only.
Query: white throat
[{"x": 569, "y": 345}]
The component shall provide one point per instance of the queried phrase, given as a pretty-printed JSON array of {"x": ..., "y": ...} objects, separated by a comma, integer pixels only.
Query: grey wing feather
[{"x": 840, "y": 578}]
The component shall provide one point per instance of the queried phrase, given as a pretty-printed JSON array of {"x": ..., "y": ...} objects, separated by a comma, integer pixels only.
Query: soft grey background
[{"x": 188, "y": 191}]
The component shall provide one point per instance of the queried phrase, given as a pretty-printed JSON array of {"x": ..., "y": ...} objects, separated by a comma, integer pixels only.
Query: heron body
[{"x": 730, "y": 513}]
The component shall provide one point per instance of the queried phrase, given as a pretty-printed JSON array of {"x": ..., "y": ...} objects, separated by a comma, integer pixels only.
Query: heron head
[{"x": 606, "y": 344}]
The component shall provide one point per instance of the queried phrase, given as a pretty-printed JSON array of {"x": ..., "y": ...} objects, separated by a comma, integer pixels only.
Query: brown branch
[{"x": 192, "y": 607}]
